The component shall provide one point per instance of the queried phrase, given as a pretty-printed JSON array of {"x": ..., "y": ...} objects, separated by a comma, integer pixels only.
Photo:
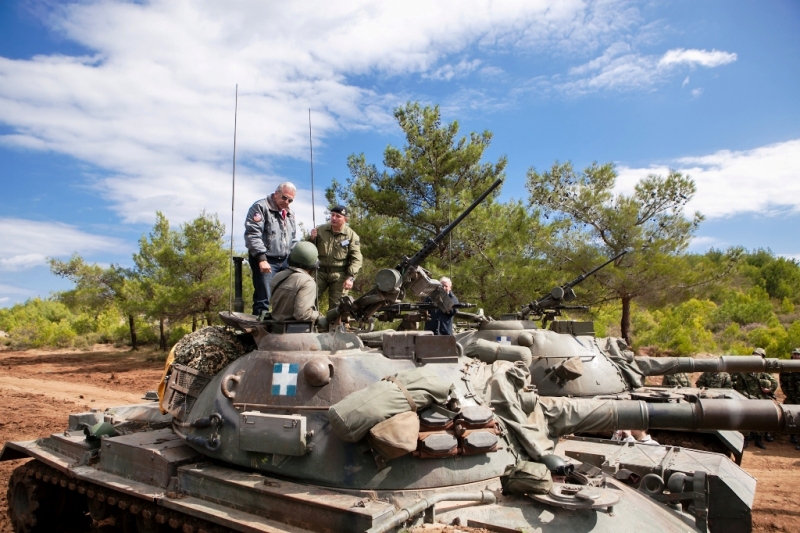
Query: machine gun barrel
[
  {"x": 564, "y": 292},
  {"x": 727, "y": 363},
  {"x": 433, "y": 243}
]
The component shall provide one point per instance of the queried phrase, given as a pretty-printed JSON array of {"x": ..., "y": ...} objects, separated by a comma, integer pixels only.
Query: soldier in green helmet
[
  {"x": 294, "y": 290},
  {"x": 790, "y": 385},
  {"x": 757, "y": 386}
]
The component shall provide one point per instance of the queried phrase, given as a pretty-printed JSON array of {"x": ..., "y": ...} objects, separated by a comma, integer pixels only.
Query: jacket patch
[{"x": 257, "y": 217}]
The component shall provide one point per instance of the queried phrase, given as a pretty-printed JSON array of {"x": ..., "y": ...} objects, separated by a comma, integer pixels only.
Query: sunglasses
[{"x": 286, "y": 198}]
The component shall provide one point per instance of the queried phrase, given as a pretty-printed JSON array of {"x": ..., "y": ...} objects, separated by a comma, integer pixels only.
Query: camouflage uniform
[
  {"x": 675, "y": 380},
  {"x": 751, "y": 384},
  {"x": 790, "y": 385},
  {"x": 339, "y": 259},
  {"x": 714, "y": 380}
]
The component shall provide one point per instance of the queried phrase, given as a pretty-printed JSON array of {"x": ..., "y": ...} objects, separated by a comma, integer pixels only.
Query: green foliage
[
  {"x": 745, "y": 308},
  {"x": 683, "y": 329},
  {"x": 593, "y": 222}
]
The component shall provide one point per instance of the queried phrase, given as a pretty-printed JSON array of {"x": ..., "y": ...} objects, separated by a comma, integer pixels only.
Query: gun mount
[
  {"x": 392, "y": 285},
  {"x": 551, "y": 304}
]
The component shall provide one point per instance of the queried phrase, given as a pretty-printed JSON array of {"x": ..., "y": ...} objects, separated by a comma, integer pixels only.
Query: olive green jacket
[
  {"x": 338, "y": 251},
  {"x": 294, "y": 293}
]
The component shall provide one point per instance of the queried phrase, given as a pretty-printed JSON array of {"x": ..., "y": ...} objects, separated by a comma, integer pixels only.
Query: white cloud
[
  {"x": 697, "y": 92},
  {"x": 685, "y": 82},
  {"x": 151, "y": 102},
  {"x": 28, "y": 243},
  {"x": 703, "y": 58},
  {"x": 764, "y": 181},
  {"x": 621, "y": 68}
]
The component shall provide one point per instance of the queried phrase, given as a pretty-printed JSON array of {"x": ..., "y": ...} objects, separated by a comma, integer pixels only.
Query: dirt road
[{"x": 39, "y": 388}]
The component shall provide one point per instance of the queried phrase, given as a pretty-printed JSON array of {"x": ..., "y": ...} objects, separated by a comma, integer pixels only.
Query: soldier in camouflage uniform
[
  {"x": 790, "y": 385},
  {"x": 340, "y": 258},
  {"x": 757, "y": 386},
  {"x": 714, "y": 380},
  {"x": 676, "y": 380}
]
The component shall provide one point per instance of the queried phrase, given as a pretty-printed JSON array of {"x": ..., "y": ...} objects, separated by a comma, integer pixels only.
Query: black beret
[{"x": 342, "y": 210}]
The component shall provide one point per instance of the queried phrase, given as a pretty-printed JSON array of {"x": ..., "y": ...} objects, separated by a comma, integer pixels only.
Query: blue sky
[{"x": 111, "y": 110}]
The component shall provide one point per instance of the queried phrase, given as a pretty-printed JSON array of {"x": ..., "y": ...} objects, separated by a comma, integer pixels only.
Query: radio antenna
[
  {"x": 311, "y": 148},
  {"x": 233, "y": 198},
  {"x": 313, "y": 204}
]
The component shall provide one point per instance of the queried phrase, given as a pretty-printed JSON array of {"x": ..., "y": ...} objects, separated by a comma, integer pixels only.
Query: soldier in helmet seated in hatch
[{"x": 294, "y": 290}]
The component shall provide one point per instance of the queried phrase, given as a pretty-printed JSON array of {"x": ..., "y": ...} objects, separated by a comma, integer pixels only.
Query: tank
[
  {"x": 568, "y": 360},
  {"x": 248, "y": 436}
]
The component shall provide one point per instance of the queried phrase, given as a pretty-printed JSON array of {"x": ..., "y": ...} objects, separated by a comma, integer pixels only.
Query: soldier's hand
[
  {"x": 765, "y": 390},
  {"x": 348, "y": 284},
  {"x": 314, "y": 233},
  {"x": 263, "y": 267}
]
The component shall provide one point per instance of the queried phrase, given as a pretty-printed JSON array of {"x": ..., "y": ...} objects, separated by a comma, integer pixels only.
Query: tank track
[{"x": 42, "y": 499}]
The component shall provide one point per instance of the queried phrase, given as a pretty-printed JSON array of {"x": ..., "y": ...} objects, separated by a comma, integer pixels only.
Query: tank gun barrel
[
  {"x": 720, "y": 414},
  {"x": 652, "y": 366},
  {"x": 702, "y": 414}
]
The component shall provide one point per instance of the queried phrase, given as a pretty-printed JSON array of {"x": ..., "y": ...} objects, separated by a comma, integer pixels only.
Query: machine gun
[
  {"x": 412, "y": 312},
  {"x": 392, "y": 284},
  {"x": 550, "y": 305}
]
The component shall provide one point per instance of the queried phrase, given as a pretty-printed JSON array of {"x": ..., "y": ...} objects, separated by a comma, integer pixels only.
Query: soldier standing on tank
[
  {"x": 269, "y": 231},
  {"x": 340, "y": 260},
  {"x": 714, "y": 380},
  {"x": 756, "y": 386},
  {"x": 676, "y": 380},
  {"x": 790, "y": 385}
]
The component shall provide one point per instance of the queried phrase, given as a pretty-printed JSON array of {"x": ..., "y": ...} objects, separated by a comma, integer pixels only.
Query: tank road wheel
[{"x": 27, "y": 501}]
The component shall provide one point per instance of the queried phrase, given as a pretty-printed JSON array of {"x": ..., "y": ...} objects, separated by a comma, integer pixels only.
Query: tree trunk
[
  {"x": 625, "y": 323},
  {"x": 132, "y": 326},
  {"x": 163, "y": 340},
  {"x": 194, "y": 323}
]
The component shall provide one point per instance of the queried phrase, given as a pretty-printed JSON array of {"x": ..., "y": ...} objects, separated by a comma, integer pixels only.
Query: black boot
[
  {"x": 768, "y": 437},
  {"x": 746, "y": 443},
  {"x": 793, "y": 439},
  {"x": 797, "y": 448},
  {"x": 759, "y": 444}
]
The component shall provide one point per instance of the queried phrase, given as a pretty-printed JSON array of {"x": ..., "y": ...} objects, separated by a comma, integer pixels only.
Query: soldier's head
[
  {"x": 338, "y": 217},
  {"x": 760, "y": 351},
  {"x": 284, "y": 195},
  {"x": 304, "y": 255},
  {"x": 796, "y": 353}
]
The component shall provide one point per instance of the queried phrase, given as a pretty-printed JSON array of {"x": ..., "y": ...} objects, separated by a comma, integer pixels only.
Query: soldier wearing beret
[{"x": 339, "y": 256}]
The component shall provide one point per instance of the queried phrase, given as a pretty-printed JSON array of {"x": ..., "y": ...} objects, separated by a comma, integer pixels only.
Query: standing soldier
[
  {"x": 339, "y": 256},
  {"x": 269, "y": 231},
  {"x": 790, "y": 385},
  {"x": 714, "y": 380},
  {"x": 676, "y": 380},
  {"x": 756, "y": 386}
]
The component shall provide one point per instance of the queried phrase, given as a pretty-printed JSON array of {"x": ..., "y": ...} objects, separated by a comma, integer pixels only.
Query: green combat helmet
[{"x": 304, "y": 255}]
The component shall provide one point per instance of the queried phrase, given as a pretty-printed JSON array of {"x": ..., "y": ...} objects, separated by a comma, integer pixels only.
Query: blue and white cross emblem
[
  {"x": 502, "y": 339},
  {"x": 284, "y": 379}
]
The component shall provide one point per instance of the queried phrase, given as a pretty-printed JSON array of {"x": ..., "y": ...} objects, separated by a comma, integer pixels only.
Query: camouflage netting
[{"x": 211, "y": 349}]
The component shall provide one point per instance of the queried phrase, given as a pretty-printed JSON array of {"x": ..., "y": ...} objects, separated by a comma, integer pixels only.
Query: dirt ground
[{"x": 39, "y": 388}]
